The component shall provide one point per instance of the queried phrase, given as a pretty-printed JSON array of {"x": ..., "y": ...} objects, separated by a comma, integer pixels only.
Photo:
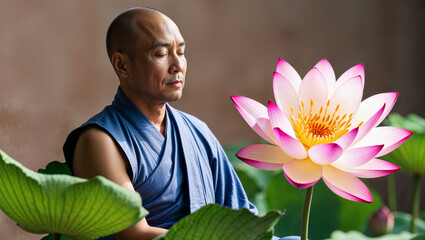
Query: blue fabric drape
[{"x": 174, "y": 175}]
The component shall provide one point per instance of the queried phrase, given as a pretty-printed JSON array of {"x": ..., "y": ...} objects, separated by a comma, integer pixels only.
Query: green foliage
[
  {"x": 354, "y": 235},
  {"x": 215, "y": 222},
  {"x": 281, "y": 195},
  {"x": 70, "y": 206},
  {"x": 411, "y": 122},
  {"x": 410, "y": 156},
  {"x": 52, "y": 237},
  {"x": 354, "y": 215},
  {"x": 329, "y": 212},
  {"x": 56, "y": 167},
  {"x": 402, "y": 222},
  {"x": 420, "y": 237},
  {"x": 401, "y": 231},
  {"x": 253, "y": 180}
]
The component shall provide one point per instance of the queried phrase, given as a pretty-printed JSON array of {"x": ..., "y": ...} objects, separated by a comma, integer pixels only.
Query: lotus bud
[{"x": 381, "y": 222}]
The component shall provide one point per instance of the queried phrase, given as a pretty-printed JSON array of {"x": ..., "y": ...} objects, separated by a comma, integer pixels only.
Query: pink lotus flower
[{"x": 321, "y": 128}]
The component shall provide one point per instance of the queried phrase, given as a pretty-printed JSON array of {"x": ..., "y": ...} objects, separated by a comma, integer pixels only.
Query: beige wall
[{"x": 54, "y": 72}]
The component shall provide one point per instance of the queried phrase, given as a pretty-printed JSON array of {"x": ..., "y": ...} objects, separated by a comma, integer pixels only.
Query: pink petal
[
  {"x": 263, "y": 129},
  {"x": 263, "y": 153},
  {"x": 262, "y": 165},
  {"x": 302, "y": 173},
  {"x": 372, "y": 104},
  {"x": 368, "y": 125},
  {"x": 390, "y": 137},
  {"x": 348, "y": 96},
  {"x": 325, "y": 153},
  {"x": 255, "y": 114},
  {"x": 313, "y": 89},
  {"x": 279, "y": 120},
  {"x": 286, "y": 70},
  {"x": 357, "y": 156},
  {"x": 328, "y": 73},
  {"x": 346, "y": 140},
  {"x": 374, "y": 168},
  {"x": 290, "y": 145},
  {"x": 357, "y": 70},
  {"x": 285, "y": 94},
  {"x": 249, "y": 109},
  {"x": 345, "y": 185},
  {"x": 263, "y": 156}
]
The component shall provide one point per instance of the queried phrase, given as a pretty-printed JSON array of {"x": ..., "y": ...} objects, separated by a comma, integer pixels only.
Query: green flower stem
[
  {"x": 392, "y": 199},
  {"x": 415, "y": 201},
  {"x": 306, "y": 213}
]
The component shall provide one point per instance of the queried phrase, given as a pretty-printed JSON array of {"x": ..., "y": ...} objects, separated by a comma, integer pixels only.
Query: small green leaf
[
  {"x": 56, "y": 167},
  {"x": 51, "y": 236},
  {"x": 73, "y": 207},
  {"x": 215, "y": 222}
]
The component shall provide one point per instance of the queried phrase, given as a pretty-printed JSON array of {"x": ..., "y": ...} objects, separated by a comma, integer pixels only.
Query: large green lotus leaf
[
  {"x": 215, "y": 222},
  {"x": 325, "y": 208},
  {"x": 419, "y": 237},
  {"x": 410, "y": 156},
  {"x": 281, "y": 195},
  {"x": 354, "y": 235},
  {"x": 355, "y": 215},
  {"x": 73, "y": 207},
  {"x": 411, "y": 122},
  {"x": 403, "y": 221}
]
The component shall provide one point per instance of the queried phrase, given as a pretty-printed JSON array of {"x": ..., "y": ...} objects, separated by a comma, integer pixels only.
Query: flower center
[{"x": 322, "y": 127}]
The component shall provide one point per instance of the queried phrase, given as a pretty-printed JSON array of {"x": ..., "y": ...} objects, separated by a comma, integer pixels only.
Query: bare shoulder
[
  {"x": 94, "y": 135},
  {"x": 96, "y": 153}
]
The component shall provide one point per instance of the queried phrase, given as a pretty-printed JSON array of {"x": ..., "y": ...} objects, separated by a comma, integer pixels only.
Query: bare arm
[{"x": 96, "y": 153}]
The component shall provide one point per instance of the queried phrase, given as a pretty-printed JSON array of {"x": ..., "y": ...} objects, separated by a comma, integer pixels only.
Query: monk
[{"x": 142, "y": 143}]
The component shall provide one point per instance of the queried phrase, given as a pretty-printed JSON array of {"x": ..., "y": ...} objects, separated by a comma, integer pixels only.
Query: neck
[
  {"x": 155, "y": 113},
  {"x": 153, "y": 110}
]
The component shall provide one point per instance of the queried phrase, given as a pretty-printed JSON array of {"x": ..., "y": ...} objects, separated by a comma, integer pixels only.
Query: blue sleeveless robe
[{"x": 175, "y": 175}]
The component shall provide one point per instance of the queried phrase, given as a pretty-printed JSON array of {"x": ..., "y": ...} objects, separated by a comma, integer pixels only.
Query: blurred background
[{"x": 55, "y": 73}]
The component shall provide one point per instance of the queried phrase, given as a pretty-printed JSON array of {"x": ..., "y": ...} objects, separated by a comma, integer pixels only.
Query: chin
[{"x": 173, "y": 97}]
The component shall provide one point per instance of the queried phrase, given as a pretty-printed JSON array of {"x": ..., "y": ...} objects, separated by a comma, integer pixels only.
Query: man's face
[{"x": 158, "y": 68}]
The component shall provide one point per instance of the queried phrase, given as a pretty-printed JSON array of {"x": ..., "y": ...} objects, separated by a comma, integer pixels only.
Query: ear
[{"x": 121, "y": 64}]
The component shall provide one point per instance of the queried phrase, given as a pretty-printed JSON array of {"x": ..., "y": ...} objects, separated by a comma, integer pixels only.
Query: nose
[{"x": 177, "y": 64}]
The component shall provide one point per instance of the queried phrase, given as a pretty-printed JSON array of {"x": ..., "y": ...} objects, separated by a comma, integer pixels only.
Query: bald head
[{"x": 124, "y": 31}]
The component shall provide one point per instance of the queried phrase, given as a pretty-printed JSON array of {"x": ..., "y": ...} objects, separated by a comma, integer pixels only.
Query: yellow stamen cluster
[{"x": 322, "y": 127}]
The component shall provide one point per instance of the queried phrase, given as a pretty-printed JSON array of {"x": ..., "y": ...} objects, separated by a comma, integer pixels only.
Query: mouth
[{"x": 175, "y": 83}]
